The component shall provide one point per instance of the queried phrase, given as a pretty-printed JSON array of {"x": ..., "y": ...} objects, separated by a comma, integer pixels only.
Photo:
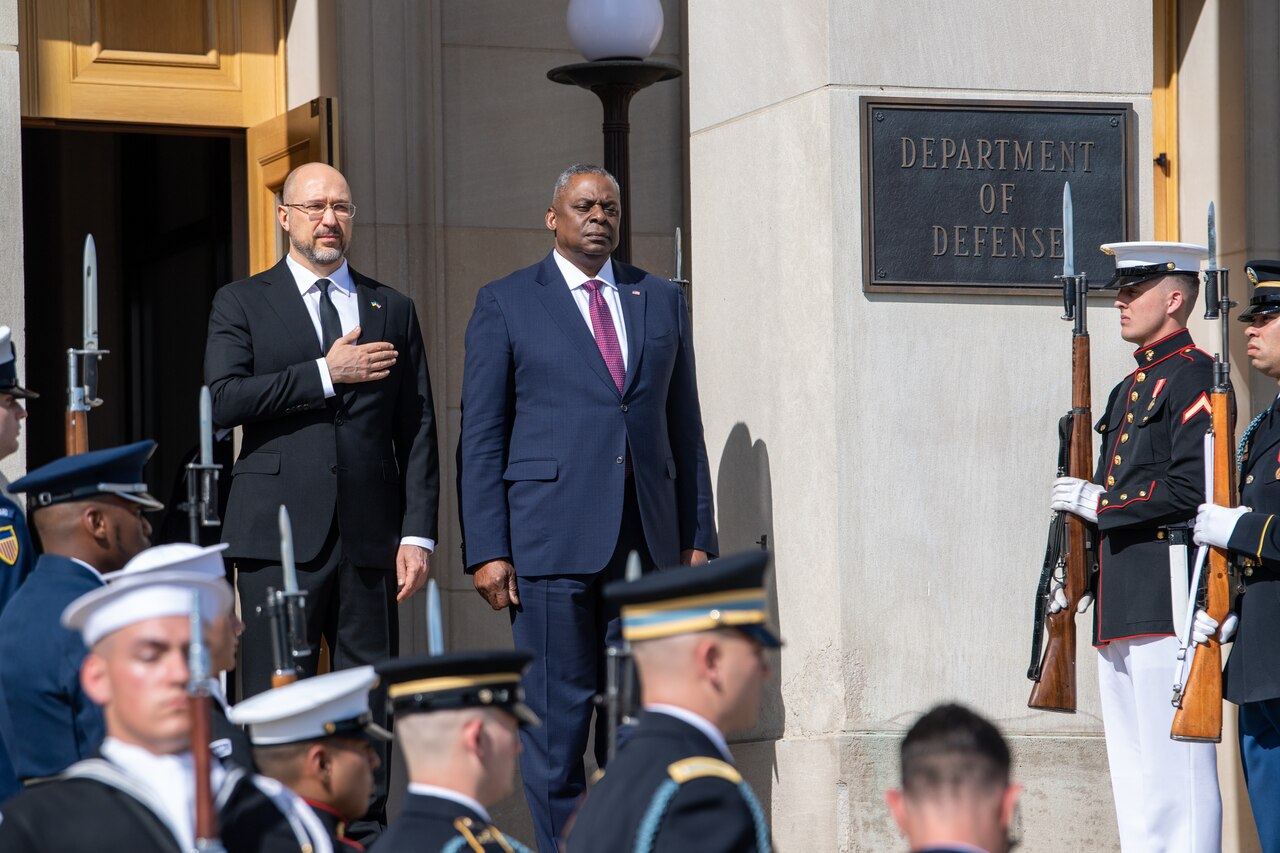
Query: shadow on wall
[{"x": 744, "y": 518}]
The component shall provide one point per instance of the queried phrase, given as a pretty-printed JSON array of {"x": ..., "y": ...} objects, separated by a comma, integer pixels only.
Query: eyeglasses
[{"x": 315, "y": 209}]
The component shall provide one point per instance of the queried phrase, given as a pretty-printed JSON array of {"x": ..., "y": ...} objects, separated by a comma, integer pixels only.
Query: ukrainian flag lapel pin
[{"x": 375, "y": 303}]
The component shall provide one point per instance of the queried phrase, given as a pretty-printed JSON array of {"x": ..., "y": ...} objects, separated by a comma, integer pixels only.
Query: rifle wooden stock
[
  {"x": 280, "y": 679},
  {"x": 1056, "y": 688},
  {"x": 77, "y": 432},
  {"x": 201, "y": 734},
  {"x": 1199, "y": 714}
]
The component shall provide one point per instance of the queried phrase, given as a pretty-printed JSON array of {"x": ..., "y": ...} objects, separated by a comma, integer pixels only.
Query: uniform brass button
[
  {"x": 1124, "y": 436},
  {"x": 1142, "y": 377},
  {"x": 1248, "y": 480},
  {"x": 1111, "y": 481},
  {"x": 1142, "y": 494},
  {"x": 1124, "y": 497},
  {"x": 1105, "y": 501},
  {"x": 1117, "y": 460},
  {"x": 1129, "y": 417},
  {"x": 1159, "y": 534},
  {"x": 1248, "y": 571},
  {"x": 1134, "y": 396}
]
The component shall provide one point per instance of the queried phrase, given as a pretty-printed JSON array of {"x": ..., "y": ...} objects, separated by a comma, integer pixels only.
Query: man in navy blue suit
[{"x": 581, "y": 441}]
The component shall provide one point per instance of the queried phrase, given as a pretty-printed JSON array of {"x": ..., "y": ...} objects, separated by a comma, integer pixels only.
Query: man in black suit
[
  {"x": 325, "y": 371},
  {"x": 956, "y": 796},
  {"x": 699, "y": 637}
]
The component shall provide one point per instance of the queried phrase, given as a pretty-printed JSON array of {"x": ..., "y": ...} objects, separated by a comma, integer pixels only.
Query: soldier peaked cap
[
  {"x": 1137, "y": 262},
  {"x": 725, "y": 593},
  {"x": 113, "y": 471},
  {"x": 457, "y": 680},
  {"x": 336, "y": 703},
  {"x": 1265, "y": 276},
  {"x": 9, "y": 367}
]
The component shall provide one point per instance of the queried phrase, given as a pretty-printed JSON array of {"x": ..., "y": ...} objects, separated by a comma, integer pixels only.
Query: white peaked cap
[
  {"x": 1185, "y": 257},
  {"x": 336, "y": 703}
]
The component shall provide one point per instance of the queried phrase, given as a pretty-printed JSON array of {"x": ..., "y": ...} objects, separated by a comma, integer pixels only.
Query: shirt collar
[
  {"x": 576, "y": 277},
  {"x": 698, "y": 721},
  {"x": 97, "y": 574},
  {"x": 450, "y": 794},
  {"x": 305, "y": 278}
]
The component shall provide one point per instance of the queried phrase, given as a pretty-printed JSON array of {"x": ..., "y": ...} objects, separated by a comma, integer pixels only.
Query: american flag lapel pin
[{"x": 635, "y": 293}]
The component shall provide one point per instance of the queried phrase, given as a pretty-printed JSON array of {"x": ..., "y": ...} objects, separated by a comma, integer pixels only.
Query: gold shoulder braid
[{"x": 487, "y": 835}]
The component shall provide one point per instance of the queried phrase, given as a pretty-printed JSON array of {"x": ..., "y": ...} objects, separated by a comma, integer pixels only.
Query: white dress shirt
[
  {"x": 698, "y": 721},
  {"x": 576, "y": 278},
  {"x": 342, "y": 292},
  {"x": 169, "y": 778},
  {"x": 449, "y": 794},
  {"x": 97, "y": 574}
]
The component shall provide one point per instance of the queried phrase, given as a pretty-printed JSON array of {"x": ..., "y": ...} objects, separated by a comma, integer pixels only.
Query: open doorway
[{"x": 166, "y": 209}]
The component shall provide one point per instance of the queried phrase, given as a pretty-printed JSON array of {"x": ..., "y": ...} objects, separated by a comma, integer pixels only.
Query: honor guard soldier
[
  {"x": 230, "y": 743},
  {"x": 698, "y": 637},
  {"x": 139, "y": 793},
  {"x": 1148, "y": 483},
  {"x": 1252, "y": 531},
  {"x": 457, "y": 722},
  {"x": 88, "y": 510},
  {"x": 315, "y": 737},
  {"x": 17, "y": 557}
]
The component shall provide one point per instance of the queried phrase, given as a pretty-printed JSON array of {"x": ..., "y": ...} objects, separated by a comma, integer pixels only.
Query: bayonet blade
[
  {"x": 435, "y": 622},
  {"x": 1068, "y": 233},
  {"x": 679, "y": 256},
  {"x": 90, "y": 293},
  {"x": 1213, "y": 239}
]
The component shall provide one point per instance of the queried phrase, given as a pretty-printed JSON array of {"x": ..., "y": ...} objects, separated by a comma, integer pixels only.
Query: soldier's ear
[
  {"x": 473, "y": 737},
  {"x": 894, "y": 800},
  {"x": 94, "y": 680}
]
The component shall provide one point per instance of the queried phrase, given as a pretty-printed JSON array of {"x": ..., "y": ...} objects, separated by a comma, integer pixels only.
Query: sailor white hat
[
  {"x": 1139, "y": 261},
  {"x": 336, "y": 703},
  {"x": 178, "y": 556},
  {"x": 146, "y": 595}
]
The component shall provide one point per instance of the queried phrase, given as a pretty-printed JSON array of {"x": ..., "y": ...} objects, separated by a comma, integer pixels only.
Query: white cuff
[
  {"x": 325, "y": 379},
  {"x": 420, "y": 541}
]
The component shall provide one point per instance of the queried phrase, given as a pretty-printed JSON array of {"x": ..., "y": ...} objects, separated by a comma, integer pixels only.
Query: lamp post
[{"x": 616, "y": 37}]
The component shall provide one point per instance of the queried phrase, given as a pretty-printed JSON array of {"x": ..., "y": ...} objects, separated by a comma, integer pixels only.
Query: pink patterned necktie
[{"x": 606, "y": 335}]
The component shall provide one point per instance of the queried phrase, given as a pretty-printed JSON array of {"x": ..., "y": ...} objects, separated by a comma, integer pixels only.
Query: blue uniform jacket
[
  {"x": 46, "y": 721},
  {"x": 17, "y": 557}
]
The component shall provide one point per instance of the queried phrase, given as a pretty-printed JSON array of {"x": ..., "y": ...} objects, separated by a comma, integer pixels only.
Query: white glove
[
  {"x": 1215, "y": 524},
  {"x": 1203, "y": 626},
  {"x": 1076, "y": 496},
  {"x": 1058, "y": 597}
]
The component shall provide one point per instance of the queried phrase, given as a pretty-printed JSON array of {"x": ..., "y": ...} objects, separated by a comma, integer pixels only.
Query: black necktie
[{"x": 330, "y": 322}]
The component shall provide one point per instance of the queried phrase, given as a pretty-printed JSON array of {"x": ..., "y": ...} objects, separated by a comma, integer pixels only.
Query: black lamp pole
[{"x": 615, "y": 81}]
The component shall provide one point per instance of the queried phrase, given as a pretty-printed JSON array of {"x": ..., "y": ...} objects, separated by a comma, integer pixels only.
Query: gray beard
[{"x": 317, "y": 255}]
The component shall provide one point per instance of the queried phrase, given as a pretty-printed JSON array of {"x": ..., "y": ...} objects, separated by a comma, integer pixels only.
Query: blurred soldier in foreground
[
  {"x": 17, "y": 556},
  {"x": 140, "y": 794},
  {"x": 457, "y": 721},
  {"x": 956, "y": 796},
  {"x": 88, "y": 510},
  {"x": 1252, "y": 676},
  {"x": 699, "y": 637},
  {"x": 315, "y": 737}
]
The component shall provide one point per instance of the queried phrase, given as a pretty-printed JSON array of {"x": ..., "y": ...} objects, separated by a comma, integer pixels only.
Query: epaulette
[{"x": 702, "y": 767}]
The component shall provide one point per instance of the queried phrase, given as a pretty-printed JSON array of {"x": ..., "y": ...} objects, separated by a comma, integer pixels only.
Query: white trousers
[{"x": 1166, "y": 791}]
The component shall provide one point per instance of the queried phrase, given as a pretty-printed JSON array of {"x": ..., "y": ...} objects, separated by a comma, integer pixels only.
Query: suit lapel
[
  {"x": 373, "y": 313},
  {"x": 554, "y": 292},
  {"x": 633, "y": 298},
  {"x": 281, "y": 293}
]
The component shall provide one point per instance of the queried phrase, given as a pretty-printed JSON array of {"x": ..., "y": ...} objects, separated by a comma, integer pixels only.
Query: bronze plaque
[{"x": 967, "y": 195}]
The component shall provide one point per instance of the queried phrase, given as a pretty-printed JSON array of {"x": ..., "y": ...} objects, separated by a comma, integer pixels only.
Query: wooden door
[
  {"x": 212, "y": 63},
  {"x": 305, "y": 134}
]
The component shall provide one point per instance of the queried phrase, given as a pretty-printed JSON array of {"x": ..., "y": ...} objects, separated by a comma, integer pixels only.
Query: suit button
[
  {"x": 333, "y": 469},
  {"x": 339, "y": 421},
  {"x": 619, "y": 460},
  {"x": 624, "y": 407}
]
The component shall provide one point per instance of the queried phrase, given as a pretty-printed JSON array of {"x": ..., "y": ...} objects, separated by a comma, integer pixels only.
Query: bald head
[{"x": 307, "y": 172}]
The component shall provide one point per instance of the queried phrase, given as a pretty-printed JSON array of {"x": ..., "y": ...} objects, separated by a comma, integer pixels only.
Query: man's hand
[
  {"x": 350, "y": 362},
  {"x": 413, "y": 564},
  {"x": 496, "y": 583},
  {"x": 1215, "y": 524},
  {"x": 1076, "y": 496},
  {"x": 692, "y": 557},
  {"x": 1204, "y": 626}
]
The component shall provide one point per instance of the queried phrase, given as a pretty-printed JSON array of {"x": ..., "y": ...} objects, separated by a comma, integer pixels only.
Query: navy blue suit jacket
[
  {"x": 47, "y": 722},
  {"x": 545, "y": 431}
]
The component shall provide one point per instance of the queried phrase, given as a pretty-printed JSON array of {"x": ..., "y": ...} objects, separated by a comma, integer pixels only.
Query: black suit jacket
[
  {"x": 368, "y": 453},
  {"x": 707, "y": 815}
]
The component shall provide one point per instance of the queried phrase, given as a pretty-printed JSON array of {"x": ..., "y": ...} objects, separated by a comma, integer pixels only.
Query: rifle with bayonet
[
  {"x": 680, "y": 280},
  {"x": 82, "y": 364},
  {"x": 199, "y": 692},
  {"x": 1199, "y": 700},
  {"x": 619, "y": 699},
  {"x": 202, "y": 476},
  {"x": 1070, "y": 556},
  {"x": 287, "y": 611}
]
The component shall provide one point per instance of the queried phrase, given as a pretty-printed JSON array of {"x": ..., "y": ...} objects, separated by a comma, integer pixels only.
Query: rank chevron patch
[{"x": 1200, "y": 405}]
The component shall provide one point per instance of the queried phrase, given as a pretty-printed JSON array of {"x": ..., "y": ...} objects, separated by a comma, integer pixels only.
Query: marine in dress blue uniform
[
  {"x": 46, "y": 721},
  {"x": 673, "y": 786},
  {"x": 450, "y": 791},
  {"x": 1252, "y": 676},
  {"x": 17, "y": 557},
  {"x": 1150, "y": 475}
]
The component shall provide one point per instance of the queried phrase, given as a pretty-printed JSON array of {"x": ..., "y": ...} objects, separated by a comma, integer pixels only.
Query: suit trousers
[
  {"x": 567, "y": 625},
  {"x": 1260, "y": 754},
  {"x": 353, "y": 608},
  {"x": 1166, "y": 791}
]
